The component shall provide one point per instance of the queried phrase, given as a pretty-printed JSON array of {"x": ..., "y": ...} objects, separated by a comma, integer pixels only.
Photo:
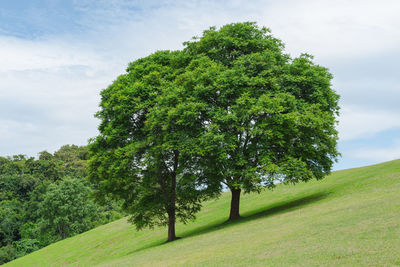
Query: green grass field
[{"x": 351, "y": 218}]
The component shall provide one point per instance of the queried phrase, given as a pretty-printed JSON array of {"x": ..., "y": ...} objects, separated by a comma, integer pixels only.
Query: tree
[
  {"x": 10, "y": 221},
  {"x": 268, "y": 117},
  {"x": 66, "y": 209},
  {"x": 146, "y": 152},
  {"x": 73, "y": 159}
]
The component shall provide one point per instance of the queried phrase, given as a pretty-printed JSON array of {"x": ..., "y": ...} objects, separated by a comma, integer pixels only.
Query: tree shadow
[
  {"x": 285, "y": 206},
  {"x": 268, "y": 210}
]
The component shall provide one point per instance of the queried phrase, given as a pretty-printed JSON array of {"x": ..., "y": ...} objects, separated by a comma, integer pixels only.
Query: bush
[
  {"x": 7, "y": 253},
  {"x": 26, "y": 246}
]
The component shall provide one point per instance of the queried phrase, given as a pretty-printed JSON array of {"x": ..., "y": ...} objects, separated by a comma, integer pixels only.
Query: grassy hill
[{"x": 350, "y": 218}]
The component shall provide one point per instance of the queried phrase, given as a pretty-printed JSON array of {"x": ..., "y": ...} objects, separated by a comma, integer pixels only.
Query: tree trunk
[
  {"x": 171, "y": 211},
  {"x": 235, "y": 204},
  {"x": 171, "y": 226}
]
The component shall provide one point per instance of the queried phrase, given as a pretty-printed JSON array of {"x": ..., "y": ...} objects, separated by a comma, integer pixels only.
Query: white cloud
[
  {"x": 355, "y": 122},
  {"x": 330, "y": 30},
  {"x": 51, "y": 86},
  {"x": 9, "y": 128},
  {"x": 19, "y": 54},
  {"x": 379, "y": 154},
  {"x": 335, "y": 29}
]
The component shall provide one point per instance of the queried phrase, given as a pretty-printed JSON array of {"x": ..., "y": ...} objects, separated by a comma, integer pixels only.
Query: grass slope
[{"x": 350, "y": 218}]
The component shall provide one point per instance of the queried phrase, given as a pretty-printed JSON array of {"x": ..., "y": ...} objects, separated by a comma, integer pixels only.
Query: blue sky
[{"x": 56, "y": 56}]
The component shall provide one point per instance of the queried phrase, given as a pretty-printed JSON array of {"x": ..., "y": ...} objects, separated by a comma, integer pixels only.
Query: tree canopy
[
  {"x": 230, "y": 108},
  {"x": 270, "y": 117},
  {"x": 146, "y": 152}
]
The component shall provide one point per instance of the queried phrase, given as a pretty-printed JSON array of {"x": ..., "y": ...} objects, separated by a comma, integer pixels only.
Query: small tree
[
  {"x": 268, "y": 117},
  {"x": 146, "y": 152},
  {"x": 66, "y": 210}
]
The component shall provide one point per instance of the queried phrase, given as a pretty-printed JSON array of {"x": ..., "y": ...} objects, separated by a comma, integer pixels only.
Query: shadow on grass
[{"x": 269, "y": 210}]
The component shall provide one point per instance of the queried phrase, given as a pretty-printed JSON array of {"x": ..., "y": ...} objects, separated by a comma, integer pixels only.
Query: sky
[{"x": 57, "y": 55}]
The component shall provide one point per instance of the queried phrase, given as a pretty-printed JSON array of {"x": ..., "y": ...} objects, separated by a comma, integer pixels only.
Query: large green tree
[
  {"x": 147, "y": 151},
  {"x": 268, "y": 117}
]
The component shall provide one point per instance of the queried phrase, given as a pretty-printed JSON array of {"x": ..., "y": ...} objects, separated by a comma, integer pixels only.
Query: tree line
[
  {"x": 47, "y": 199},
  {"x": 230, "y": 110}
]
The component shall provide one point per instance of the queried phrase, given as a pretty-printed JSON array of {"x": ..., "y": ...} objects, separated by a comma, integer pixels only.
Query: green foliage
[
  {"x": 7, "y": 253},
  {"x": 29, "y": 230},
  {"x": 10, "y": 221},
  {"x": 233, "y": 41},
  {"x": 66, "y": 209},
  {"x": 26, "y": 246},
  {"x": 46, "y": 199},
  {"x": 72, "y": 159}
]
